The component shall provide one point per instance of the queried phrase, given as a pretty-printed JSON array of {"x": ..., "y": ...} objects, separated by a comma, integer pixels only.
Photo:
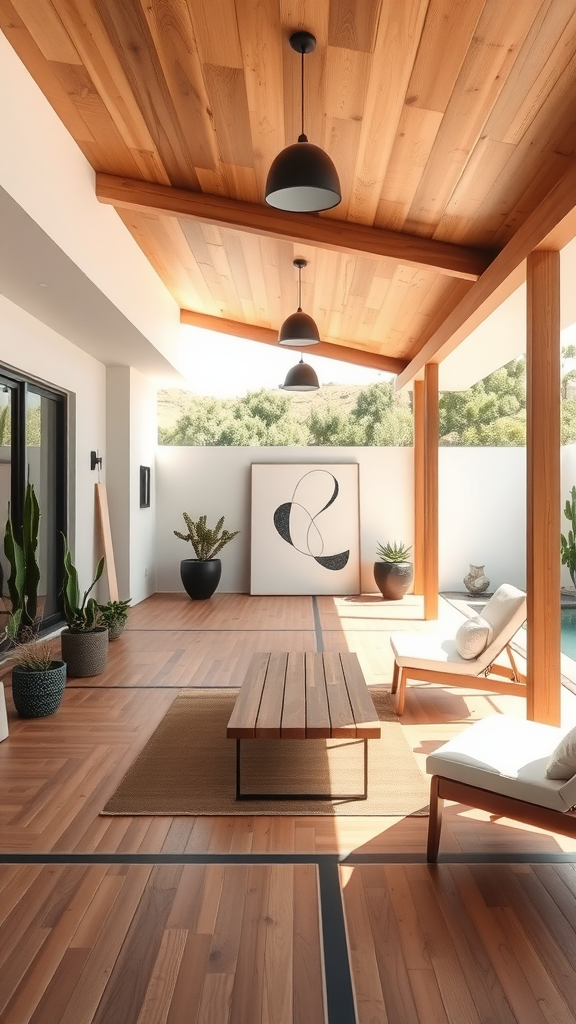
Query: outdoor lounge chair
[
  {"x": 435, "y": 659},
  {"x": 499, "y": 765}
]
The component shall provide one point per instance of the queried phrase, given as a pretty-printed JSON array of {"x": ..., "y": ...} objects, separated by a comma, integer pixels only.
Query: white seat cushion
[
  {"x": 509, "y": 756},
  {"x": 425, "y": 650}
]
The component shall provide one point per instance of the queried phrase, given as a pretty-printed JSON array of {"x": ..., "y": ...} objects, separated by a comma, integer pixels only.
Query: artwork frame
[
  {"x": 305, "y": 529},
  {"x": 144, "y": 486}
]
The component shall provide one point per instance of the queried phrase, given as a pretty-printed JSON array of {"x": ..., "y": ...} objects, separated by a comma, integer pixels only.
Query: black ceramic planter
[
  {"x": 200, "y": 579},
  {"x": 86, "y": 654},
  {"x": 393, "y": 579},
  {"x": 38, "y": 693}
]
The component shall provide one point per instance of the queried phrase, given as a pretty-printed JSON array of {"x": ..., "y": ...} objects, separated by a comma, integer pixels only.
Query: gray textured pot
[
  {"x": 38, "y": 693},
  {"x": 86, "y": 654},
  {"x": 393, "y": 579},
  {"x": 116, "y": 630}
]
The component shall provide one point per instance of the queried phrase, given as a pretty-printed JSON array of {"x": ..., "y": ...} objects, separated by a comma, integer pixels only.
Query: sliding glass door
[{"x": 33, "y": 448}]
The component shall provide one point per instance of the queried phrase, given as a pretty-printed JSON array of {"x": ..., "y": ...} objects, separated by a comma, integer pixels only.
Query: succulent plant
[
  {"x": 394, "y": 552},
  {"x": 206, "y": 542}
]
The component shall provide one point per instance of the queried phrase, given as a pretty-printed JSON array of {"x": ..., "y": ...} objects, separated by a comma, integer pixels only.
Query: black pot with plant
[
  {"x": 394, "y": 573},
  {"x": 114, "y": 616},
  {"x": 37, "y": 680},
  {"x": 201, "y": 575},
  {"x": 85, "y": 642}
]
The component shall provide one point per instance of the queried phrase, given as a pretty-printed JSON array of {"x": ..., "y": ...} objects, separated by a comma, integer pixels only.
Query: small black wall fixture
[
  {"x": 144, "y": 486},
  {"x": 95, "y": 460}
]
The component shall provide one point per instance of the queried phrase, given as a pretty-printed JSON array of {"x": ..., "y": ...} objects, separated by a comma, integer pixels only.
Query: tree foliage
[{"x": 492, "y": 413}]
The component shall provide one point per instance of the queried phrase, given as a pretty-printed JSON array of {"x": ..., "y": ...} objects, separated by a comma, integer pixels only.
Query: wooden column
[
  {"x": 419, "y": 495},
  {"x": 543, "y": 486},
  {"x": 431, "y": 491}
]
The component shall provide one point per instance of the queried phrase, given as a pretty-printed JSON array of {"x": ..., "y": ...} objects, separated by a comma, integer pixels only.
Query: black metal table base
[{"x": 300, "y": 796}]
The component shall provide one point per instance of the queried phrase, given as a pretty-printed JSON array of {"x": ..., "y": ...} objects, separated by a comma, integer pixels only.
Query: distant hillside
[{"x": 173, "y": 402}]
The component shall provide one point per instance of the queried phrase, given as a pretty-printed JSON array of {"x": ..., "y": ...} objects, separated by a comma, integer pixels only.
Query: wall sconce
[{"x": 95, "y": 460}]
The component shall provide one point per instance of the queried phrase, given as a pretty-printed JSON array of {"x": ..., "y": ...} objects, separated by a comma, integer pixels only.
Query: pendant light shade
[
  {"x": 299, "y": 329},
  {"x": 302, "y": 178},
  {"x": 301, "y": 378}
]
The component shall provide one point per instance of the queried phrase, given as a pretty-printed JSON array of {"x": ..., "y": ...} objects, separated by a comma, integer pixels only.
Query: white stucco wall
[
  {"x": 481, "y": 505},
  {"x": 482, "y": 515},
  {"x": 143, "y": 444},
  {"x": 36, "y": 350},
  {"x": 216, "y": 482},
  {"x": 131, "y": 434}
]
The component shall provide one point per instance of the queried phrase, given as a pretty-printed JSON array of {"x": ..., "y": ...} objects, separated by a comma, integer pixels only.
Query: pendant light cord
[
  {"x": 302, "y": 137},
  {"x": 299, "y": 290}
]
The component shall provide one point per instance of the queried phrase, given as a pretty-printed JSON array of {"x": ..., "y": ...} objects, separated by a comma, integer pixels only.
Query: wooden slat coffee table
[{"x": 303, "y": 696}]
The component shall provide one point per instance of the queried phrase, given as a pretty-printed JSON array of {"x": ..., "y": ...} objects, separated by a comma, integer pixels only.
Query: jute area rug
[{"x": 188, "y": 767}]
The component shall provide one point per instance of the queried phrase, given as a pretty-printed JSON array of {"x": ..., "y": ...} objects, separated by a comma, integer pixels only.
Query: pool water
[{"x": 568, "y": 636}]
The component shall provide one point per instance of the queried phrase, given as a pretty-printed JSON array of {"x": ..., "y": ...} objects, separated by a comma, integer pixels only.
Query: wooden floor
[{"x": 125, "y": 939}]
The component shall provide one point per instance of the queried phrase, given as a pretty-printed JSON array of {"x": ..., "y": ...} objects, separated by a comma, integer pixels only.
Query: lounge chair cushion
[
  {"x": 506, "y": 755},
  {"x": 473, "y": 636},
  {"x": 505, "y": 611},
  {"x": 562, "y": 764}
]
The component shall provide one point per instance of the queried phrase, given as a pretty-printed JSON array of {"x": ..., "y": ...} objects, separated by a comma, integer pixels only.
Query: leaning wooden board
[{"x": 304, "y": 695}]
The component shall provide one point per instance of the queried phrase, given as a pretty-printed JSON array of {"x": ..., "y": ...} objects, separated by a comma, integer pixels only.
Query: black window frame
[{"x": 20, "y": 385}]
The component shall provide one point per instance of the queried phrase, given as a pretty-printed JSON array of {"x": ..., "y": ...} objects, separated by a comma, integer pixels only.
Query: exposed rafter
[
  {"x": 550, "y": 227},
  {"x": 269, "y": 337},
  {"x": 326, "y": 233}
]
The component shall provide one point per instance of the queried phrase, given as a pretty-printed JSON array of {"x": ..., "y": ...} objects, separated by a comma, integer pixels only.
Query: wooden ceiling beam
[
  {"x": 269, "y": 337},
  {"x": 341, "y": 236},
  {"x": 549, "y": 227}
]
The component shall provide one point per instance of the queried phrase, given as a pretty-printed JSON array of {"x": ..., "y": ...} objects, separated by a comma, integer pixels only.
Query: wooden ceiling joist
[
  {"x": 549, "y": 227},
  {"x": 341, "y": 236},
  {"x": 263, "y": 334}
]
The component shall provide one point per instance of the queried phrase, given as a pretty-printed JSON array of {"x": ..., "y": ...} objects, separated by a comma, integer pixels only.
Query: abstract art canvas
[{"x": 305, "y": 529}]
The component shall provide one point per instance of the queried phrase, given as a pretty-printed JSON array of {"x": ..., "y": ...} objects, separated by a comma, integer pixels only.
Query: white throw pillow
[
  {"x": 473, "y": 636},
  {"x": 562, "y": 764}
]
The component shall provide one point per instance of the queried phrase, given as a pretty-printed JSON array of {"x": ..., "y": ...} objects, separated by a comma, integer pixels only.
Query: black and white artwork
[{"x": 305, "y": 529}]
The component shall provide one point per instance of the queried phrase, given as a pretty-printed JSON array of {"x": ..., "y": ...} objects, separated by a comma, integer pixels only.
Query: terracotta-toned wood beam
[
  {"x": 431, "y": 491},
  {"x": 269, "y": 337},
  {"x": 419, "y": 490},
  {"x": 543, "y": 487},
  {"x": 310, "y": 229},
  {"x": 550, "y": 227}
]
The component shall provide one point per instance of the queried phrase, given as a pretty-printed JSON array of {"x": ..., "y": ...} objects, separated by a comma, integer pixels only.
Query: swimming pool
[{"x": 568, "y": 636}]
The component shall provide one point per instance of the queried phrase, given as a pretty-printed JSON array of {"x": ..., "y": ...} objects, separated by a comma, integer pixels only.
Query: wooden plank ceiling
[{"x": 449, "y": 121}]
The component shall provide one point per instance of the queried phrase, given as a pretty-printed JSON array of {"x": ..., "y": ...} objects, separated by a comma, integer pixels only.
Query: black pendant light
[
  {"x": 302, "y": 178},
  {"x": 299, "y": 329},
  {"x": 301, "y": 378}
]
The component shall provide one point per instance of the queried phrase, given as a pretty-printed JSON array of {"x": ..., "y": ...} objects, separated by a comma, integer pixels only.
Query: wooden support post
[
  {"x": 419, "y": 497},
  {"x": 431, "y": 491},
  {"x": 543, "y": 486}
]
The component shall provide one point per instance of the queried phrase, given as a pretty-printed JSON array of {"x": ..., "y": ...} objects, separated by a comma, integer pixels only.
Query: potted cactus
[
  {"x": 85, "y": 642},
  {"x": 394, "y": 572},
  {"x": 201, "y": 575}
]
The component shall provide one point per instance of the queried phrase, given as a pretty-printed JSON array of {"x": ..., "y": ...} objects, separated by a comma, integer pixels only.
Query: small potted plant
[
  {"x": 114, "y": 615},
  {"x": 85, "y": 642},
  {"x": 201, "y": 575},
  {"x": 394, "y": 572},
  {"x": 38, "y": 680}
]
